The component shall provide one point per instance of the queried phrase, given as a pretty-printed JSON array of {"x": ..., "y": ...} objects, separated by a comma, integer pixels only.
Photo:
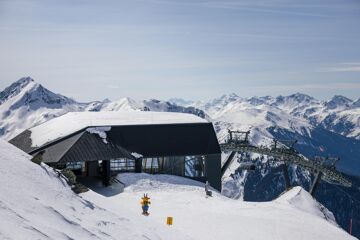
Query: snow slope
[
  {"x": 295, "y": 215},
  {"x": 36, "y": 204}
]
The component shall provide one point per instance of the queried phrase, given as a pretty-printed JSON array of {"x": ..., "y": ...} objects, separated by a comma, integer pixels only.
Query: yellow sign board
[{"x": 169, "y": 220}]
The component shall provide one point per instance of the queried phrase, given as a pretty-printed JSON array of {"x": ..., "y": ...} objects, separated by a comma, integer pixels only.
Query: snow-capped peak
[
  {"x": 338, "y": 101},
  {"x": 226, "y": 98},
  {"x": 37, "y": 97},
  {"x": 293, "y": 101},
  {"x": 24, "y": 81},
  {"x": 222, "y": 101},
  {"x": 15, "y": 88},
  {"x": 356, "y": 104},
  {"x": 301, "y": 97},
  {"x": 229, "y": 97},
  {"x": 26, "y": 103},
  {"x": 26, "y": 92},
  {"x": 125, "y": 103},
  {"x": 106, "y": 100}
]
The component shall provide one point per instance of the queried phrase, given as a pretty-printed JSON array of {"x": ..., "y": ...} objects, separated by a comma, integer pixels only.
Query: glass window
[
  {"x": 195, "y": 166},
  {"x": 148, "y": 163},
  {"x": 122, "y": 165},
  {"x": 170, "y": 165},
  {"x": 151, "y": 165},
  {"x": 166, "y": 165},
  {"x": 161, "y": 164},
  {"x": 178, "y": 165},
  {"x": 190, "y": 166},
  {"x": 155, "y": 165},
  {"x": 74, "y": 165}
]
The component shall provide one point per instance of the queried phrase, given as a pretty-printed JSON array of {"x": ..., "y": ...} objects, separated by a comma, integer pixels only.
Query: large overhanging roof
[{"x": 72, "y": 122}]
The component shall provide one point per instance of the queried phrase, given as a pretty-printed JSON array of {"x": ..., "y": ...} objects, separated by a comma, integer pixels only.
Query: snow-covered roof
[{"x": 74, "y": 121}]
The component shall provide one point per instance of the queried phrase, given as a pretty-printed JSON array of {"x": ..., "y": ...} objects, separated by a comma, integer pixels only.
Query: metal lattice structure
[{"x": 323, "y": 168}]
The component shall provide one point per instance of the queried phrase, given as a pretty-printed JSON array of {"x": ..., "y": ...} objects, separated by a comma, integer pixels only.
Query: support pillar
[
  {"x": 286, "y": 176},
  {"x": 138, "y": 165},
  {"x": 315, "y": 183},
  {"x": 213, "y": 170},
  {"x": 350, "y": 227},
  {"x": 106, "y": 174},
  {"x": 227, "y": 163}
]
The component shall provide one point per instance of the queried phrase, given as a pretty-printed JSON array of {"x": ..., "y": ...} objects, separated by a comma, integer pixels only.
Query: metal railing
[{"x": 284, "y": 155}]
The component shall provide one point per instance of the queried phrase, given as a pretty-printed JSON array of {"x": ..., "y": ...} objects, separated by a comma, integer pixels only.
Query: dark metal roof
[
  {"x": 90, "y": 147},
  {"x": 54, "y": 153},
  {"x": 23, "y": 141}
]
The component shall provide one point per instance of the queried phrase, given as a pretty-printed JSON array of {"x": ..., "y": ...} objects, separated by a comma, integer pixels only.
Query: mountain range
[
  {"x": 322, "y": 128},
  {"x": 297, "y": 112}
]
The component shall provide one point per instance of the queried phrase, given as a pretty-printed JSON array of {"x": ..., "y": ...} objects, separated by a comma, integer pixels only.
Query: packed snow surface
[
  {"x": 74, "y": 121},
  {"x": 295, "y": 215},
  {"x": 36, "y": 204}
]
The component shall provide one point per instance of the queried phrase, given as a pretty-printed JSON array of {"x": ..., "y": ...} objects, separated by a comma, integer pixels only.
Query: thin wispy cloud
[
  {"x": 307, "y": 87},
  {"x": 343, "y": 67},
  {"x": 251, "y": 6}
]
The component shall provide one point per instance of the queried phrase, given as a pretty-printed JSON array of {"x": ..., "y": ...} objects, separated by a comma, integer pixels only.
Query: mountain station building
[{"x": 102, "y": 144}]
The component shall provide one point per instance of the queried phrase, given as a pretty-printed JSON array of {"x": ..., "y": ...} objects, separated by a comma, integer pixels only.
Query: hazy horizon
[
  {"x": 92, "y": 50},
  {"x": 183, "y": 98}
]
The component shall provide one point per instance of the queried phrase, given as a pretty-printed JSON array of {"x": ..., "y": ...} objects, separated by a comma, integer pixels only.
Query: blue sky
[{"x": 91, "y": 50}]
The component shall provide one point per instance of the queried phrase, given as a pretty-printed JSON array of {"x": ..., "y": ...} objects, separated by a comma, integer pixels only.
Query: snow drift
[{"x": 302, "y": 200}]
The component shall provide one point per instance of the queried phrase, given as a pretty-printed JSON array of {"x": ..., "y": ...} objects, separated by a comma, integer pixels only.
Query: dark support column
[
  {"x": 138, "y": 165},
  {"x": 213, "y": 170},
  {"x": 106, "y": 174},
  {"x": 315, "y": 183},
  {"x": 286, "y": 176},
  {"x": 92, "y": 168},
  {"x": 227, "y": 163}
]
